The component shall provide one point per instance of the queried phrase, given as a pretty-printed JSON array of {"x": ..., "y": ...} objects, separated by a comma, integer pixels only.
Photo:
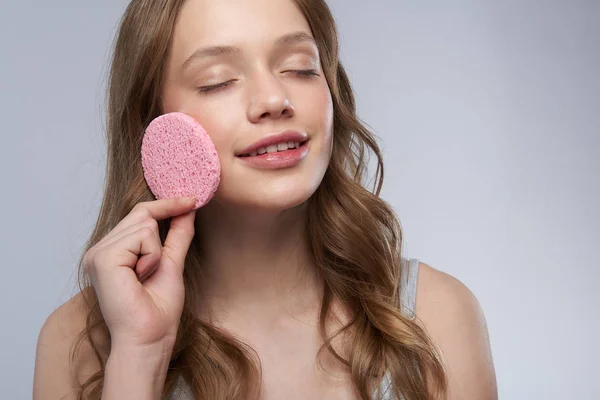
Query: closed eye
[
  {"x": 301, "y": 72},
  {"x": 305, "y": 72},
  {"x": 204, "y": 89}
]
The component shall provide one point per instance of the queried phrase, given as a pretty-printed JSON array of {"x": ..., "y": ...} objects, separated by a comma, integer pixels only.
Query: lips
[
  {"x": 273, "y": 140},
  {"x": 277, "y": 159}
]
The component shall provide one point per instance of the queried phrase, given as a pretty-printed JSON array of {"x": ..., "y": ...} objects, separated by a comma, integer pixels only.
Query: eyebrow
[{"x": 214, "y": 51}]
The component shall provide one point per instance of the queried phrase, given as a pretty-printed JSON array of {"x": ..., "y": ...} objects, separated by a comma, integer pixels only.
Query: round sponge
[{"x": 179, "y": 159}]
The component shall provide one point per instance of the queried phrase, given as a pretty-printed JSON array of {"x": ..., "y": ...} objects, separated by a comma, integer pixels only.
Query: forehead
[{"x": 248, "y": 24}]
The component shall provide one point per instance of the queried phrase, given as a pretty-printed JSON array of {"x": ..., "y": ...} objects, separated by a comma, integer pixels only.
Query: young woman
[{"x": 289, "y": 283}]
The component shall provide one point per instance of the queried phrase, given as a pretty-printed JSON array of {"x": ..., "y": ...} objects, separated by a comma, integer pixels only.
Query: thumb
[{"x": 179, "y": 237}]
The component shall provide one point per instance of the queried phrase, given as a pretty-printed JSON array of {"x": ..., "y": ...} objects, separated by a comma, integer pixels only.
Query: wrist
[
  {"x": 135, "y": 372},
  {"x": 155, "y": 352}
]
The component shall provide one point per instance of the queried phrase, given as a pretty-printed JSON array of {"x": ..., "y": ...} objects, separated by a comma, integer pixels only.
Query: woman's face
[{"x": 267, "y": 88}]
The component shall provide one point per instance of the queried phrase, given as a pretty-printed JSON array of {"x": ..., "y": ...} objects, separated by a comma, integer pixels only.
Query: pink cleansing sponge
[{"x": 179, "y": 159}]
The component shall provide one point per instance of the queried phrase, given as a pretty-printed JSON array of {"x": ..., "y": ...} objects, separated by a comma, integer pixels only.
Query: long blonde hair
[{"x": 359, "y": 263}]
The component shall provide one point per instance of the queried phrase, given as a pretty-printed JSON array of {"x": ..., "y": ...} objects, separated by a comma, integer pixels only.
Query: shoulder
[
  {"x": 452, "y": 316},
  {"x": 54, "y": 374}
]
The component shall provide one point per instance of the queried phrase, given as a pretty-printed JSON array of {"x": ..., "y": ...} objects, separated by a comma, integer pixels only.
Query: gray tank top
[{"x": 408, "y": 297}]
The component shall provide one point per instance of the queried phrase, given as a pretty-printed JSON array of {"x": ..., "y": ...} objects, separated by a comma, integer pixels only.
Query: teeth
[{"x": 275, "y": 148}]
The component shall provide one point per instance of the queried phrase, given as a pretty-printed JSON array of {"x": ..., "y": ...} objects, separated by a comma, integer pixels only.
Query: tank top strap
[{"x": 408, "y": 286}]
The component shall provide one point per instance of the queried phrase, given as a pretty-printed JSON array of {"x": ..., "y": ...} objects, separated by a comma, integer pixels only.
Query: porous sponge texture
[{"x": 179, "y": 159}]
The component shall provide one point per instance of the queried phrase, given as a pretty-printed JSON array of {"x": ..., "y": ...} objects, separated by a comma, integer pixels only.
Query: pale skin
[{"x": 259, "y": 282}]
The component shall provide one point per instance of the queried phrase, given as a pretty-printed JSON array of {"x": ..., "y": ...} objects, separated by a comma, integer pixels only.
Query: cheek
[
  {"x": 323, "y": 106},
  {"x": 222, "y": 144},
  {"x": 218, "y": 129},
  {"x": 322, "y": 110}
]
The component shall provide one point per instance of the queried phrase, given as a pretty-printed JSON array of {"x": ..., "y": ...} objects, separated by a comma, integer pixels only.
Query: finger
[
  {"x": 179, "y": 238},
  {"x": 128, "y": 251},
  {"x": 124, "y": 254},
  {"x": 167, "y": 208},
  {"x": 147, "y": 263},
  {"x": 116, "y": 236},
  {"x": 156, "y": 209}
]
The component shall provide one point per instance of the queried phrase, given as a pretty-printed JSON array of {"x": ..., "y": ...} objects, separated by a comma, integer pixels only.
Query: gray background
[{"x": 489, "y": 116}]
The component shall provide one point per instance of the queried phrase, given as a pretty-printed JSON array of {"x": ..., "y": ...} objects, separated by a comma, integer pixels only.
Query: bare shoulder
[
  {"x": 453, "y": 317},
  {"x": 54, "y": 376}
]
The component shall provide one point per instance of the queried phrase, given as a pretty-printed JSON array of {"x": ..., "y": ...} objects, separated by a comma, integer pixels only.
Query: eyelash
[{"x": 307, "y": 73}]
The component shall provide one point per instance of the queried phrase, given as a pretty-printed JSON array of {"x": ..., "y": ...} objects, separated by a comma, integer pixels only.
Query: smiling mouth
[{"x": 275, "y": 148}]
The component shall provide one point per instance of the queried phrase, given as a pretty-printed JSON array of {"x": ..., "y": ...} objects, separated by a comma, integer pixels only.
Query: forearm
[{"x": 136, "y": 374}]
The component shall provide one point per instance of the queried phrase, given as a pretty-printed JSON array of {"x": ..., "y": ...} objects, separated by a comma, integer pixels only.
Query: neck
[{"x": 255, "y": 263}]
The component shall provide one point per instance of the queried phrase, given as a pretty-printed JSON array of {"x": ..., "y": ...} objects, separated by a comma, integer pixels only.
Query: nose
[{"x": 268, "y": 99}]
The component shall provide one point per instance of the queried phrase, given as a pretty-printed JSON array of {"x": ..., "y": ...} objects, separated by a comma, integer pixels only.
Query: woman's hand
[{"x": 138, "y": 281}]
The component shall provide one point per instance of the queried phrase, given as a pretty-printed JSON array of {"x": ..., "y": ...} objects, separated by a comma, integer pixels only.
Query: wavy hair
[{"x": 359, "y": 262}]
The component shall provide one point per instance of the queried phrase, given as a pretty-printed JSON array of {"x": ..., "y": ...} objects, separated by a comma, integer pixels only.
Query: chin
[
  {"x": 269, "y": 198},
  {"x": 274, "y": 194}
]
